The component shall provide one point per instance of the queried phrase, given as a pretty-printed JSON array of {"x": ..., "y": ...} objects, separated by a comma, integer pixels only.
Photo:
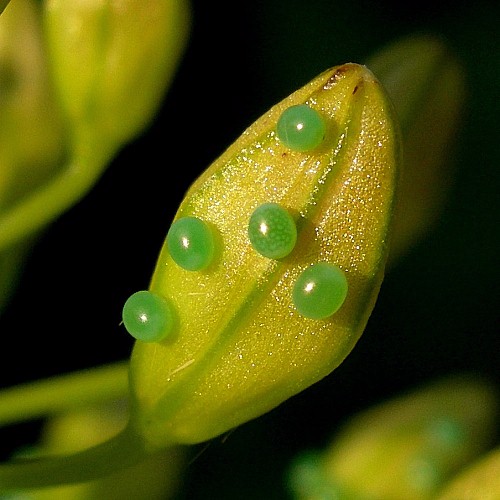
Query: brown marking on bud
[{"x": 337, "y": 75}]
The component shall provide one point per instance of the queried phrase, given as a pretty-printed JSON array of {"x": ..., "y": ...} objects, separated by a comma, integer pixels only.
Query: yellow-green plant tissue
[{"x": 299, "y": 211}]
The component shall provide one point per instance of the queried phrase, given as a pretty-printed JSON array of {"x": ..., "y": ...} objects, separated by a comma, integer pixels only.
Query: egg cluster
[{"x": 319, "y": 291}]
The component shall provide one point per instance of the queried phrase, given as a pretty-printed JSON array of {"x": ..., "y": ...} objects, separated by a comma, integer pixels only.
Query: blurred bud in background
[
  {"x": 112, "y": 61},
  {"x": 77, "y": 81},
  {"x": 427, "y": 86},
  {"x": 404, "y": 449}
]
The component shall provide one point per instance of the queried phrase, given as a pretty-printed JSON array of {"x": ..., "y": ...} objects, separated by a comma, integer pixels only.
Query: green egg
[
  {"x": 148, "y": 317},
  {"x": 190, "y": 242},
  {"x": 272, "y": 231},
  {"x": 320, "y": 291},
  {"x": 301, "y": 128}
]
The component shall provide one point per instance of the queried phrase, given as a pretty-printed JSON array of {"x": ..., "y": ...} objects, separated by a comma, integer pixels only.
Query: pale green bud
[
  {"x": 272, "y": 266},
  {"x": 112, "y": 61},
  {"x": 427, "y": 86},
  {"x": 406, "y": 448}
]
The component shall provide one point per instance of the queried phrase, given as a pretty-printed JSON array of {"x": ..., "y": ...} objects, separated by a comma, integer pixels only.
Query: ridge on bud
[{"x": 241, "y": 345}]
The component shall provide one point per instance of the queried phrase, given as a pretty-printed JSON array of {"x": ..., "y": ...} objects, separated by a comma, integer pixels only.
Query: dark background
[{"x": 437, "y": 312}]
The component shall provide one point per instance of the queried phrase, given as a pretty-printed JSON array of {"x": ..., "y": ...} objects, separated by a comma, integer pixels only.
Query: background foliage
[{"x": 438, "y": 309}]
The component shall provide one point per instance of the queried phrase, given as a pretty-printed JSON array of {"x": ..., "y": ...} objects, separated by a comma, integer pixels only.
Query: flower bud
[
  {"x": 112, "y": 61},
  {"x": 426, "y": 84},
  {"x": 404, "y": 449},
  {"x": 272, "y": 265}
]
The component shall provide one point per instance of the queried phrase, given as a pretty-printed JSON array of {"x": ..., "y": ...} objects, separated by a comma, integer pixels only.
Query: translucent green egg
[
  {"x": 190, "y": 242},
  {"x": 301, "y": 128},
  {"x": 272, "y": 231},
  {"x": 320, "y": 291},
  {"x": 147, "y": 316}
]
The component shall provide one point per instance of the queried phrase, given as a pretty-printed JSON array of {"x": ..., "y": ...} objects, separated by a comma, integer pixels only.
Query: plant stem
[
  {"x": 42, "y": 206},
  {"x": 64, "y": 392},
  {"x": 122, "y": 451}
]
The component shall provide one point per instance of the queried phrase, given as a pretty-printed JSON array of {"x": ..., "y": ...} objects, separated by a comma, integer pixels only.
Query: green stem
[
  {"x": 122, "y": 451},
  {"x": 64, "y": 392},
  {"x": 50, "y": 200}
]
